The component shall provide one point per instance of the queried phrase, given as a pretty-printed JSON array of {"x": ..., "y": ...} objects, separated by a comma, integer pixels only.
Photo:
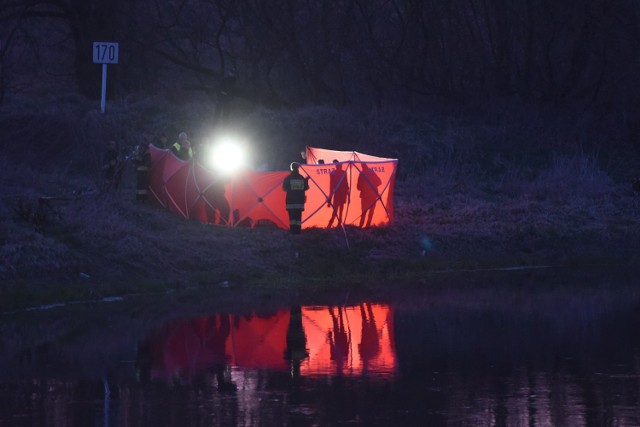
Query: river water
[{"x": 511, "y": 349}]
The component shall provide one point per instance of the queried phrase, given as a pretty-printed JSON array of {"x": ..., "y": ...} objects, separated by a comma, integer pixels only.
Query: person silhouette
[
  {"x": 162, "y": 141},
  {"x": 339, "y": 193},
  {"x": 369, "y": 346},
  {"x": 217, "y": 205},
  {"x": 296, "y": 186},
  {"x": 296, "y": 339},
  {"x": 142, "y": 161},
  {"x": 218, "y": 331},
  {"x": 368, "y": 183},
  {"x": 339, "y": 340},
  {"x": 112, "y": 166}
]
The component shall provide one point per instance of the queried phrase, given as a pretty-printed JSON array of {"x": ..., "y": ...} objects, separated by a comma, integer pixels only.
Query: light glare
[{"x": 226, "y": 156}]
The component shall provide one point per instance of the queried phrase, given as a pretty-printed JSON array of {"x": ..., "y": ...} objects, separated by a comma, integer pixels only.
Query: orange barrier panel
[{"x": 357, "y": 191}]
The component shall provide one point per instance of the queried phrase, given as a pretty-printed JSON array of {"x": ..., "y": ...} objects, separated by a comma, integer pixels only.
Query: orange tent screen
[{"x": 357, "y": 190}]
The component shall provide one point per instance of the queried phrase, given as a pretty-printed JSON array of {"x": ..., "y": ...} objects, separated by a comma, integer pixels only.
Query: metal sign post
[{"x": 104, "y": 53}]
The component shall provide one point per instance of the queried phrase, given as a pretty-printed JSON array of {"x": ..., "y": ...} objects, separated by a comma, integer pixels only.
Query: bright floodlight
[{"x": 227, "y": 155}]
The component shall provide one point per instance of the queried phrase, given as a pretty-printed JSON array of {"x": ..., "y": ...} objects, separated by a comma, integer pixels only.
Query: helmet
[{"x": 294, "y": 167}]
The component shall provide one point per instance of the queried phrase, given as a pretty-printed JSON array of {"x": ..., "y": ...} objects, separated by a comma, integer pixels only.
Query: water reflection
[
  {"x": 308, "y": 341},
  {"x": 560, "y": 360},
  {"x": 352, "y": 340}
]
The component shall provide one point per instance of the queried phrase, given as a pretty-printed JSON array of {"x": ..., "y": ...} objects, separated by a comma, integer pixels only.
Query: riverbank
[
  {"x": 108, "y": 245},
  {"x": 466, "y": 198}
]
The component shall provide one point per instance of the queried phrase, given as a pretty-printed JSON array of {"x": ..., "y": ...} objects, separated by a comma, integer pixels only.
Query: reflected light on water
[
  {"x": 451, "y": 364},
  {"x": 349, "y": 340},
  {"x": 346, "y": 340}
]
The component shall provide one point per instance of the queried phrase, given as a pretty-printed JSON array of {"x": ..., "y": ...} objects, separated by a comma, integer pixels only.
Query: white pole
[{"x": 104, "y": 87}]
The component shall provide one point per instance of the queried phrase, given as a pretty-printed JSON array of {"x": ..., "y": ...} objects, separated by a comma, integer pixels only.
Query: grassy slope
[{"x": 485, "y": 193}]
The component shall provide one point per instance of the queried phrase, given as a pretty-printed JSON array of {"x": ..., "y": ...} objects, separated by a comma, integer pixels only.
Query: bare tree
[{"x": 340, "y": 51}]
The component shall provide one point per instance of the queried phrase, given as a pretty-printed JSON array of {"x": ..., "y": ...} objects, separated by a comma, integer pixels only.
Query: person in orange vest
[
  {"x": 296, "y": 186},
  {"x": 182, "y": 149}
]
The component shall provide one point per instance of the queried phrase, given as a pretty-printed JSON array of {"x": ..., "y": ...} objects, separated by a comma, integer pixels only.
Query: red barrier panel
[{"x": 357, "y": 190}]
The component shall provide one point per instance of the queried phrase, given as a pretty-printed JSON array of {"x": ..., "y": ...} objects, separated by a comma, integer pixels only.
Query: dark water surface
[{"x": 514, "y": 349}]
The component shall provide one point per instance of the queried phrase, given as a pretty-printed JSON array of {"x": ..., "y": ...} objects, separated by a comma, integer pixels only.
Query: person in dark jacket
[
  {"x": 112, "y": 166},
  {"x": 295, "y": 185},
  {"x": 142, "y": 160},
  {"x": 162, "y": 141}
]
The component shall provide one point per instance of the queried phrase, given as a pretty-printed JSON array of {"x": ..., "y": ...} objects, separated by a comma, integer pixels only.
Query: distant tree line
[{"x": 342, "y": 52}]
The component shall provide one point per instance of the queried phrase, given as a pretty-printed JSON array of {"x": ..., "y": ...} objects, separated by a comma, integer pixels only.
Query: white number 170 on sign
[{"x": 105, "y": 53}]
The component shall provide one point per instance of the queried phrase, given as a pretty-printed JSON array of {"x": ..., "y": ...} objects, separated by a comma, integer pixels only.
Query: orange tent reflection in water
[
  {"x": 314, "y": 340},
  {"x": 349, "y": 340},
  {"x": 258, "y": 342}
]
